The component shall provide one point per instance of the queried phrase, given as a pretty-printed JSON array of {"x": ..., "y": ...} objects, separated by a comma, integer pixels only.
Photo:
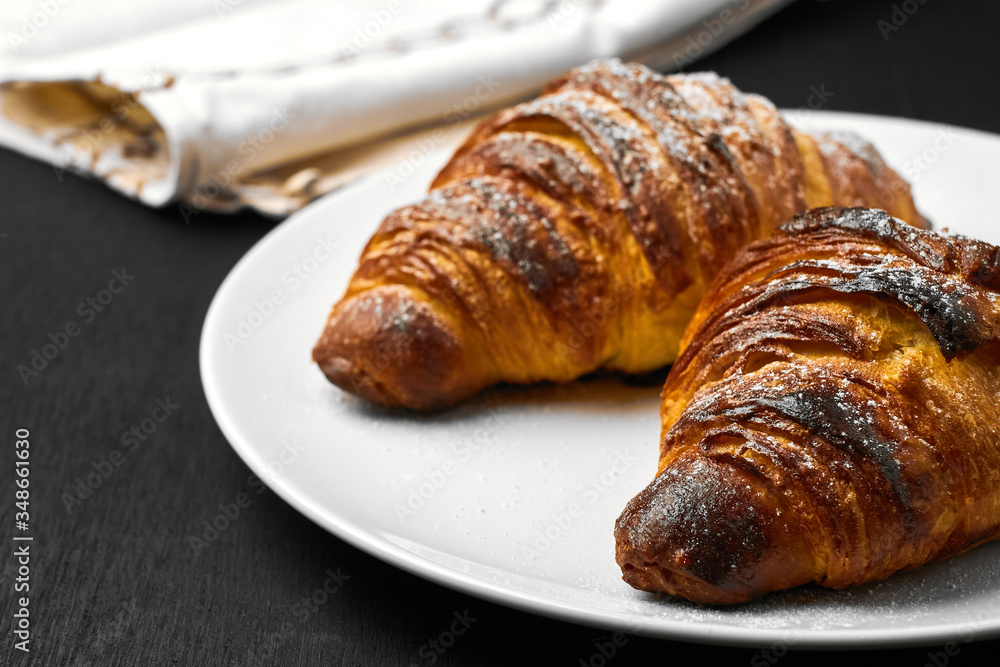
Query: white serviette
[{"x": 269, "y": 103}]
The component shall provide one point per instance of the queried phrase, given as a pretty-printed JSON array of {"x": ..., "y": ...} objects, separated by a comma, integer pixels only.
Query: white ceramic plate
[{"x": 513, "y": 496}]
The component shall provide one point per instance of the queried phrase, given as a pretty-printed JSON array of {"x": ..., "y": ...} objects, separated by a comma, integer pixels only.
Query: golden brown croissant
[
  {"x": 578, "y": 232},
  {"x": 833, "y": 416}
]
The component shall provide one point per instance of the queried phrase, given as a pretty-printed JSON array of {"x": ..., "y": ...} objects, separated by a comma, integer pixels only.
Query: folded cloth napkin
[{"x": 218, "y": 104}]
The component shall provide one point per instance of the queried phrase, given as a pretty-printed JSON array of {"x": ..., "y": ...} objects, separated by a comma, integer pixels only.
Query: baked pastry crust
[
  {"x": 832, "y": 417},
  {"x": 578, "y": 231}
]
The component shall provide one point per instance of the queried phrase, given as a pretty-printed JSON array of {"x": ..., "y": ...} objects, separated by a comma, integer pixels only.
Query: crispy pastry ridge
[
  {"x": 578, "y": 231},
  {"x": 832, "y": 416}
]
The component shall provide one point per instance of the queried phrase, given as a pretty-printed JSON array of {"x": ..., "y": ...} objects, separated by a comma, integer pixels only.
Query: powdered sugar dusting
[{"x": 857, "y": 145}]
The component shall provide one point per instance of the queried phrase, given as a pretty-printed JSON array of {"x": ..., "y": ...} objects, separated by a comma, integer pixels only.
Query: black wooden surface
[{"x": 114, "y": 579}]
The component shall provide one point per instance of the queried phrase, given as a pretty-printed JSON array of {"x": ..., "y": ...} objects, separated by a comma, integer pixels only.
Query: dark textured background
[{"x": 115, "y": 581}]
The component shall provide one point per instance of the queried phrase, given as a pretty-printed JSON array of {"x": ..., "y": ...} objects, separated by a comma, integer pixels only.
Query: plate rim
[{"x": 705, "y": 632}]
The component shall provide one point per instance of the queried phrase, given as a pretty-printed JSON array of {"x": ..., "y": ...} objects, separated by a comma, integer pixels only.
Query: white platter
[{"x": 484, "y": 481}]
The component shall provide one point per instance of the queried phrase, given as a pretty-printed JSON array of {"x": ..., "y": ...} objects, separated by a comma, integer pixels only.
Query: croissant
[
  {"x": 832, "y": 417},
  {"x": 578, "y": 232}
]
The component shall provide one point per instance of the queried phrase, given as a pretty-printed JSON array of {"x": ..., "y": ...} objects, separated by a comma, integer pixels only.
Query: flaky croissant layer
[
  {"x": 832, "y": 417},
  {"x": 578, "y": 232}
]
